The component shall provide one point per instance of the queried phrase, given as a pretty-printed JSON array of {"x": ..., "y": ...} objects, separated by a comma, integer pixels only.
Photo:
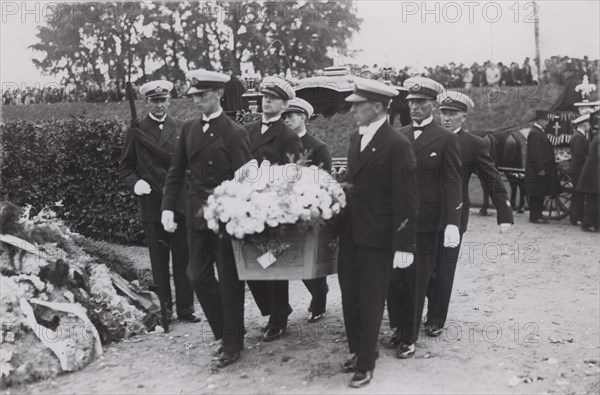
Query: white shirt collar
[
  {"x": 425, "y": 122},
  {"x": 212, "y": 116},
  {"x": 275, "y": 118},
  {"x": 157, "y": 119},
  {"x": 302, "y": 133},
  {"x": 457, "y": 130},
  {"x": 371, "y": 128},
  {"x": 582, "y": 132},
  {"x": 538, "y": 126}
]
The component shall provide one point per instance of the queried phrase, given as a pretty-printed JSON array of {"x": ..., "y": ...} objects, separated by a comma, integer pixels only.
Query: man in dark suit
[
  {"x": 147, "y": 152},
  {"x": 579, "y": 149},
  {"x": 437, "y": 152},
  {"x": 541, "y": 175},
  {"x": 317, "y": 153},
  {"x": 271, "y": 140},
  {"x": 476, "y": 158},
  {"x": 590, "y": 186},
  {"x": 378, "y": 225},
  {"x": 212, "y": 148}
]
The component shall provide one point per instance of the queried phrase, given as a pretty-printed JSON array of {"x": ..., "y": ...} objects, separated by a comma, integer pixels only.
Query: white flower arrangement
[{"x": 263, "y": 198}]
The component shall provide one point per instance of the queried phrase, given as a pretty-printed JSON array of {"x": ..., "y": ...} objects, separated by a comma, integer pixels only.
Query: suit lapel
[
  {"x": 214, "y": 131},
  {"x": 269, "y": 135},
  {"x": 169, "y": 128},
  {"x": 464, "y": 141},
  {"x": 151, "y": 127},
  {"x": 373, "y": 148},
  {"x": 427, "y": 137},
  {"x": 353, "y": 153}
]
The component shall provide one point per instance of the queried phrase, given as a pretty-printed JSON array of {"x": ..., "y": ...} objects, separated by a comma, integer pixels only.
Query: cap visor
[
  {"x": 159, "y": 95},
  {"x": 419, "y": 96},
  {"x": 194, "y": 90},
  {"x": 272, "y": 92},
  {"x": 354, "y": 98},
  {"x": 451, "y": 108}
]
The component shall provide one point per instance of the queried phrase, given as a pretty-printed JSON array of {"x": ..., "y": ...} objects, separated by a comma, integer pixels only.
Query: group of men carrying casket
[{"x": 399, "y": 236}]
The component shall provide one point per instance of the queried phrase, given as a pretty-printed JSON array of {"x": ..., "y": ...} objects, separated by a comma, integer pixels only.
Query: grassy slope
[{"x": 512, "y": 106}]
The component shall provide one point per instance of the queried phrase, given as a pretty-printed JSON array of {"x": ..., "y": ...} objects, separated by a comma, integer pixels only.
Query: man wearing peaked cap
[
  {"x": 211, "y": 148},
  {"x": 295, "y": 116},
  {"x": 437, "y": 153},
  {"x": 272, "y": 140},
  {"x": 475, "y": 157},
  {"x": 377, "y": 227},
  {"x": 145, "y": 160},
  {"x": 580, "y": 145}
]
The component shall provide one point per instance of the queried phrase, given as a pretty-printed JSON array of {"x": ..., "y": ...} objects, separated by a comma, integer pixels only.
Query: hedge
[{"x": 74, "y": 161}]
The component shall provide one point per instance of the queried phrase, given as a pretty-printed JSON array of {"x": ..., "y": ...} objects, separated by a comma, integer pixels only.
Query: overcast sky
[{"x": 398, "y": 33}]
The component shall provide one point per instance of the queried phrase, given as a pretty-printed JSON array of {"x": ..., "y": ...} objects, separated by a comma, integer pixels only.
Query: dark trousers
[
  {"x": 536, "y": 206},
  {"x": 441, "y": 282},
  {"x": 318, "y": 289},
  {"x": 364, "y": 274},
  {"x": 222, "y": 303},
  {"x": 161, "y": 245},
  {"x": 577, "y": 206},
  {"x": 591, "y": 211},
  {"x": 408, "y": 288},
  {"x": 272, "y": 299}
]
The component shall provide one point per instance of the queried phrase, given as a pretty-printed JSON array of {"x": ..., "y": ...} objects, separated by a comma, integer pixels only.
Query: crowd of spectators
[{"x": 451, "y": 75}]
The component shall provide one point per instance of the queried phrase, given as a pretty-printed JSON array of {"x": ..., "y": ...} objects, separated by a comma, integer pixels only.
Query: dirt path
[{"x": 525, "y": 319}]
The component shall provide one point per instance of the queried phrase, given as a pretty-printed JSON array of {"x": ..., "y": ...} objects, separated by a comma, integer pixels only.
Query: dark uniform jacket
[
  {"x": 382, "y": 200},
  {"x": 588, "y": 178},
  {"x": 318, "y": 153},
  {"x": 476, "y": 158},
  {"x": 279, "y": 144},
  {"x": 579, "y": 150},
  {"x": 540, "y": 156},
  {"x": 438, "y": 173},
  {"x": 212, "y": 157},
  {"x": 147, "y": 154}
]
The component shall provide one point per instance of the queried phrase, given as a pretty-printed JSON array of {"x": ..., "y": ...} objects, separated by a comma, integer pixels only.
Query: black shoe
[
  {"x": 349, "y": 365},
  {"x": 539, "y": 221},
  {"x": 434, "y": 330},
  {"x": 483, "y": 212},
  {"x": 273, "y": 334},
  {"x": 520, "y": 211},
  {"x": 189, "y": 318},
  {"x": 405, "y": 351},
  {"x": 591, "y": 229},
  {"x": 360, "y": 379},
  {"x": 316, "y": 317},
  {"x": 394, "y": 341},
  {"x": 227, "y": 358}
]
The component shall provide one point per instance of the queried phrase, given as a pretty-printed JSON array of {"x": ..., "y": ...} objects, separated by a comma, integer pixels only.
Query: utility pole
[{"x": 536, "y": 29}]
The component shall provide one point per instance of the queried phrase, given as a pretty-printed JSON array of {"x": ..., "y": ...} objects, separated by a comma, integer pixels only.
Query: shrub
[{"x": 74, "y": 160}]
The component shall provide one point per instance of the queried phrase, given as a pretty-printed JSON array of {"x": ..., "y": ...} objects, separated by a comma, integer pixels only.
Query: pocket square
[{"x": 433, "y": 154}]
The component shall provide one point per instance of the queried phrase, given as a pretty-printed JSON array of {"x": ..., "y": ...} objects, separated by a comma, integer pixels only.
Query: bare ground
[{"x": 524, "y": 319}]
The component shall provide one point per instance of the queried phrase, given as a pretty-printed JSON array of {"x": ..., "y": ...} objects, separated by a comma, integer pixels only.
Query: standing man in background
[
  {"x": 295, "y": 116},
  {"x": 144, "y": 164},
  {"x": 579, "y": 149}
]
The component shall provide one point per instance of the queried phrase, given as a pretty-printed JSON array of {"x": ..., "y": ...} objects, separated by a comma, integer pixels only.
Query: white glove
[
  {"x": 168, "y": 221},
  {"x": 141, "y": 188},
  {"x": 402, "y": 259},
  {"x": 504, "y": 228},
  {"x": 451, "y": 236}
]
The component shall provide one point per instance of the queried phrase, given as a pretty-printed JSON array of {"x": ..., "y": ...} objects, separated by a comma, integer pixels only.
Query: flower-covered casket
[{"x": 280, "y": 219}]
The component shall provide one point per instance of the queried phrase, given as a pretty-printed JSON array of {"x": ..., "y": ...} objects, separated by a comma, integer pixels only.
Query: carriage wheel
[{"x": 557, "y": 207}]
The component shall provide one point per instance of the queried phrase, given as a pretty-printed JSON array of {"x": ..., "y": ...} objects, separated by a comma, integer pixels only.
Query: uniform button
[{"x": 210, "y": 162}]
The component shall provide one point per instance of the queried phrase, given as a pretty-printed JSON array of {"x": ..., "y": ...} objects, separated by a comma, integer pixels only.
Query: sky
[{"x": 395, "y": 33}]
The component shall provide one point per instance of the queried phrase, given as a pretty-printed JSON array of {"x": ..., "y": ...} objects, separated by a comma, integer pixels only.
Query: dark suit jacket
[
  {"x": 318, "y": 152},
  {"x": 212, "y": 157},
  {"x": 540, "y": 156},
  {"x": 476, "y": 158},
  {"x": 439, "y": 176},
  {"x": 588, "y": 178},
  {"x": 579, "y": 150},
  {"x": 382, "y": 201},
  {"x": 277, "y": 145},
  {"x": 147, "y": 153}
]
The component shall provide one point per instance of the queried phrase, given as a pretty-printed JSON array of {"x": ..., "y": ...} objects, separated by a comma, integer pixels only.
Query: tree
[{"x": 120, "y": 41}]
